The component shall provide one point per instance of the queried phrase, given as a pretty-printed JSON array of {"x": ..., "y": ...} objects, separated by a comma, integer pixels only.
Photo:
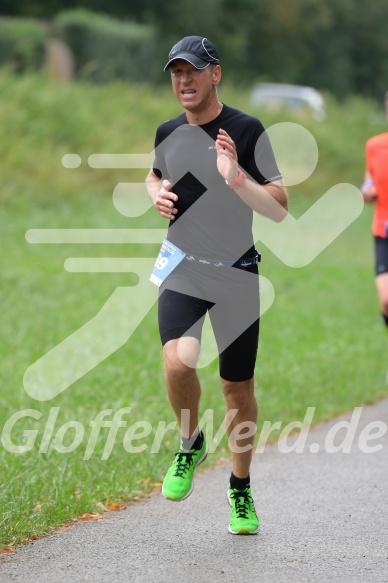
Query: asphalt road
[{"x": 324, "y": 518}]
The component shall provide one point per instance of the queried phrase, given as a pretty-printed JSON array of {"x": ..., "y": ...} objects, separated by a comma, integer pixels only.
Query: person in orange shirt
[{"x": 375, "y": 191}]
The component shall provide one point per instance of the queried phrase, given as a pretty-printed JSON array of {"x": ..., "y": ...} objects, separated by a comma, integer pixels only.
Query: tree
[{"x": 338, "y": 46}]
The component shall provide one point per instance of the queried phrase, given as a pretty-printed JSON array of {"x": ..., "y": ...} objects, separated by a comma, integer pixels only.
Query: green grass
[{"x": 322, "y": 344}]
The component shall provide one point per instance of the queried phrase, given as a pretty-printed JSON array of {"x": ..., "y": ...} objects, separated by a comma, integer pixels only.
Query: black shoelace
[
  {"x": 242, "y": 500},
  {"x": 183, "y": 462}
]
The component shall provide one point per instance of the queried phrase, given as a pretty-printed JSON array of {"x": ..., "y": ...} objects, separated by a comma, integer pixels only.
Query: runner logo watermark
[{"x": 296, "y": 242}]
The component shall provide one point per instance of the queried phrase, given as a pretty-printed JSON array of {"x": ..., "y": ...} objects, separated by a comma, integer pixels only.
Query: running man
[
  {"x": 213, "y": 167},
  {"x": 375, "y": 191}
]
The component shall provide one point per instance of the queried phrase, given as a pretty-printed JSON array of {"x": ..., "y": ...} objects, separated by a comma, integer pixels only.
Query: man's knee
[
  {"x": 384, "y": 308},
  {"x": 238, "y": 394},
  {"x": 181, "y": 357}
]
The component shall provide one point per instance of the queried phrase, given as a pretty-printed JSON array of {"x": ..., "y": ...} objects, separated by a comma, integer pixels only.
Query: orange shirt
[{"x": 377, "y": 165}]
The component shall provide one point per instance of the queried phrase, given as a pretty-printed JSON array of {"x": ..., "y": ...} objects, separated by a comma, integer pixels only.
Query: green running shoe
[
  {"x": 178, "y": 482},
  {"x": 243, "y": 518}
]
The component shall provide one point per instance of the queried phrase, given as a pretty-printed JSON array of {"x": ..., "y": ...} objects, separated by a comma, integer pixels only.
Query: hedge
[
  {"x": 22, "y": 43},
  {"x": 104, "y": 48}
]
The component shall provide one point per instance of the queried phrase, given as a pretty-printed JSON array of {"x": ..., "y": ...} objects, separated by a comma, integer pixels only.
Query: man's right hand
[
  {"x": 369, "y": 194},
  {"x": 165, "y": 200}
]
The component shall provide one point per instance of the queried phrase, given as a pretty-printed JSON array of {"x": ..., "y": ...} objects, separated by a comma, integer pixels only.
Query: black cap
[{"x": 198, "y": 51}]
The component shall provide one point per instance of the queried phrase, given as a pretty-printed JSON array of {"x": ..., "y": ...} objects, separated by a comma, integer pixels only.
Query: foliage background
[
  {"x": 341, "y": 47},
  {"x": 322, "y": 343}
]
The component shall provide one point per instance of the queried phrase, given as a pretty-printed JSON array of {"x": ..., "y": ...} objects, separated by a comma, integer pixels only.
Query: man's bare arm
[
  {"x": 269, "y": 200},
  {"x": 368, "y": 189}
]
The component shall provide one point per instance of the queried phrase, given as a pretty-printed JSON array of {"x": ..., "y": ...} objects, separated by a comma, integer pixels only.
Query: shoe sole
[
  {"x": 243, "y": 531},
  {"x": 201, "y": 459}
]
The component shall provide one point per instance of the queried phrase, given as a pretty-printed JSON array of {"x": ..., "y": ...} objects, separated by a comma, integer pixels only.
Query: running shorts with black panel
[
  {"x": 381, "y": 255},
  {"x": 231, "y": 298}
]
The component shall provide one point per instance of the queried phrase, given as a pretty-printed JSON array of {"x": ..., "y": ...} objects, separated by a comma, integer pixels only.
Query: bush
[
  {"x": 22, "y": 43},
  {"x": 106, "y": 49}
]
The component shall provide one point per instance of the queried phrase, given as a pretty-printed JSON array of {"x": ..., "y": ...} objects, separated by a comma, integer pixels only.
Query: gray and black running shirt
[{"x": 212, "y": 221}]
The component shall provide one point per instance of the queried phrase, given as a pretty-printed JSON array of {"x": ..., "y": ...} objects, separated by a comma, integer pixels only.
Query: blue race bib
[{"x": 169, "y": 257}]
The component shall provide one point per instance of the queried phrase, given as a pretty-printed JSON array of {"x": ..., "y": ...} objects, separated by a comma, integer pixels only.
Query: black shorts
[
  {"x": 381, "y": 255},
  {"x": 231, "y": 296}
]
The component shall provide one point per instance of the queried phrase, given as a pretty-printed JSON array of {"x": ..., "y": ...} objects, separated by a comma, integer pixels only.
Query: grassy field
[{"x": 322, "y": 344}]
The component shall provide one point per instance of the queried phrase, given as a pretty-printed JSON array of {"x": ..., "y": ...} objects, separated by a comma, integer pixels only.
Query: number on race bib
[
  {"x": 168, "y": 258},
  {"x": 161, "y": 262}
]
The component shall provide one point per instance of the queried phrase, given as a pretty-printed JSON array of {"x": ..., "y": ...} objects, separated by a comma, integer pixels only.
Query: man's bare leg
[
  {"x": 182, "y": 383},
  {"x": 240, "y": 396},
  {"x": 382, "y": 292},
  {"x": 183, "y": 389}
]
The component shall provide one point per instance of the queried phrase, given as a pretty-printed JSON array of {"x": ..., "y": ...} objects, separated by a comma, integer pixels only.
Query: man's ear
[{"x": 217, "y": 74}]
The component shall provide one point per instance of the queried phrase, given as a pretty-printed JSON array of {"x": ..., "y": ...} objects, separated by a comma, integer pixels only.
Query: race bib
[{"x": 169, "y": 257}]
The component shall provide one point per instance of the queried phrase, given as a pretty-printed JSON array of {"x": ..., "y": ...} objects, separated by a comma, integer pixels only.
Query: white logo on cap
[{"x": 207, "y": 52}]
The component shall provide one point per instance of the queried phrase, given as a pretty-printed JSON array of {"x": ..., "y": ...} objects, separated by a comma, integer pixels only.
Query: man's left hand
[{"x": 227, "y": 161}]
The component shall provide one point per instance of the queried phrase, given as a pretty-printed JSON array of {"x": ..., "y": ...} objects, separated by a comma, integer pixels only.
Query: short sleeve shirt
[
  {"x": 212, "y": 221},
  {"x": 377, "y": 165}
]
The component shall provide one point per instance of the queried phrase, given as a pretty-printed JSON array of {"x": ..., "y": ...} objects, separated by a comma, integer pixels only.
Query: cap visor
[{"x": 190, "y": 58}]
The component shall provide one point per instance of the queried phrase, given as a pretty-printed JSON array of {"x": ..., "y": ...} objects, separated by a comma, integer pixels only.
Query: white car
[{"x": 297, "y": 98}]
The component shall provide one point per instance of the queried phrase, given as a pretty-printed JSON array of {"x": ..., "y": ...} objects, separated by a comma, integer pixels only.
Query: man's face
[{"x": 193, "y": 87}]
